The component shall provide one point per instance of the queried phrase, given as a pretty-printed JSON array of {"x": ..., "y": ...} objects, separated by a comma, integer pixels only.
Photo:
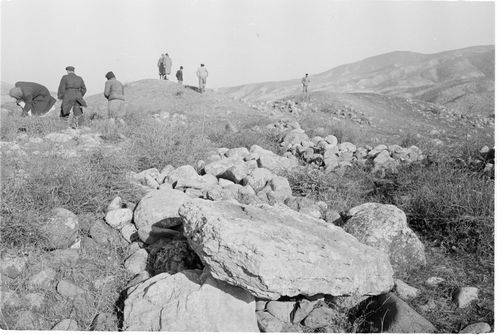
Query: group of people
[
  {"x": 35, "y": 99},
  {"x": 165, "y": 68}
]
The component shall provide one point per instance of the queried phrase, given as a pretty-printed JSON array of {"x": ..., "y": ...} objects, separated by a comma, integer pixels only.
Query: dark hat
[
  {"x": 70, "y": 68},
  {"x": 182, "y": 68},
  {"x": 110, "y": 75}
]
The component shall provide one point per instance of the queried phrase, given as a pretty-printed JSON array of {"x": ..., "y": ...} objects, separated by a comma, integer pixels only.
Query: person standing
[
  {"x": 161, "y": 66},
  {"x": 179, "y": 75},
  {"x": 71, "y": 91},
  {"x": 114, "y": 92},
  {"x": 33, "y": 98},
  {"x": 305, "y": 83},
  {"x": 202, "y": 75},
  {"x": 168, "y": 65}
]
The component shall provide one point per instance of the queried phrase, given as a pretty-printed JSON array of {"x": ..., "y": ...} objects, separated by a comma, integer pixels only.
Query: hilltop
[{"x": 458, "y": 79}]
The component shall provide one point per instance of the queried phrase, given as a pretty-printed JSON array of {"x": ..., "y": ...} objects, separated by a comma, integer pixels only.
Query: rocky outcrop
[{"x": 275, "y": 251}]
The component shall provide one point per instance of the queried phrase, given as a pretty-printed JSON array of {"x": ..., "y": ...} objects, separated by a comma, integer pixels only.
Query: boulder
[
  {"x": 405, "y": 291},
  {"x": 188, "y": 301},
  {"x": 137, "y": 262},
  {"x": 384, "y": 227},
  {"x": 282, "y": 310},
  {"x": 69, "y": 289},
  {"x": 258, "y": 178},
  {"x": 160, "y": 208},
  {"x": 434, "y": 281},
  {"x": 118, "y": 218},
  {"x": 389, "y": 314},
  {"x": 295, "y": 136},
  {"x": 116, "y": 203},
  {"x": 269, "y": 323},
  {"x": 319, "y": 317},
  {"x": 331, "y": 140},
  {"x": 61, "y": 230},
  {"x": 275, "y": 251},
  {"x": 464, "y": 296}
]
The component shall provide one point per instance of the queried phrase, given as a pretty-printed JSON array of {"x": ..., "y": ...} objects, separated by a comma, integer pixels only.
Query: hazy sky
[{"x": 240, "y": 41}]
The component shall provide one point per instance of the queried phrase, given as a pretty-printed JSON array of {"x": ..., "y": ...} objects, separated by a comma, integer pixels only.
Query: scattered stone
[
  {"x": 387, "y": 313},
  {"x": 434, "y": 281},
  {"x": 405, "y": 291},
  {"x": 61, "y": 230},
  {"x": 319, "y": 317},
  {"x": 116, "y": 203},
  {"x": 69, "y": 289},
  {"x": 384, "y": 227},
  {"x": 12, "y": 265},
  {"x": 42, "y": 279},
  {"x": 188, "y": 301},
  {"x": 282, "y": 310},
  {"x": 67, "y": 325},
  {"x": 129, "y": 232},
  {"x": 275, "y": 251},
  {"x": 159, "y": 208},
  {"x": 137, "y": 262},
  {"x": 260, "y": 305},
  {"x": 476, "y": 328},
  {"x": 104, "y": 235},
  {"x": 304, "y": 308},
  {"x": 118, "y": 218},
  {"x": 268, "y": 323},
  {"x": 464, "y": 296}
]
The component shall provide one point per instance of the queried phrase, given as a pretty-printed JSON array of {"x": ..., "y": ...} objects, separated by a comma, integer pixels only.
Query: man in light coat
[
  {"x": 114, "y": 92},
  {"x": 202, "y": 75}
]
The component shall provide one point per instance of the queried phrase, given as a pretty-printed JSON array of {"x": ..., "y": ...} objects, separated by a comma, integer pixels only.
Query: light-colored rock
[
  {"x": 69, "y": 289},
  {"x": 282, "y": 310},
  {"x": 378, "y": 149},
  {"x": 331, "y": 139},
  {"x": 295, "y": 136},
  {"x": 42, "y": 279},
  {"x": 129, "y": 232},
  {"x": 187, "y": 301},
  {"x": 434, "y": 281},
  {"x": 137, "y": 262},
  {"x": 237, "y": 153},
  {"x": 61, "y": 230},
  {"x": 384, "y": 227},
  {"x": 236, "y": 173},
  {"x": 464, "y": 296},
  {"x": 164, "y": 173},
  {"x": 268, "y": 323},
  {"x": 12, "y": 265},
  {"x": 258, "y": 178},
  {"x": 347, "y": 146},
  {"x": 304, "y": 308},
  {"x": 138, "y": 278},
  {"x": 118, "y": 218},
  {"x": 159, "y": 208},
  {"x": 281, "y": 189},
  {"x": 405, "y": 291},
  {"x": 275, "y": 251},
  {"x": 319, "y": 317},
  {"x": 116, "y": 203},
  {"x": 66, "y": 325},
  {"x": 476, "y": 328}
]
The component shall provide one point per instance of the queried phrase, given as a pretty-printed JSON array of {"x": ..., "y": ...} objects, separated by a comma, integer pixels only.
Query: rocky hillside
[{"x": 457, "y": 78}]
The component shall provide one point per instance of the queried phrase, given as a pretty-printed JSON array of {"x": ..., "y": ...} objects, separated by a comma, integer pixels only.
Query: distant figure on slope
[
  {"x": 71, "y": 91},
  {"x": 179, "y": 75},
  {"x": 202, "y": 75},
  {"x": 161, "y": 67},
  {"x": 305, "y": 83},
  {"x": 33, "y": 98},
  {"x": 113, "y": 91}
]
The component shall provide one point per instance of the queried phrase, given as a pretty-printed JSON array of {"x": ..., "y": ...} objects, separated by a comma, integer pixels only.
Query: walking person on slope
[
  {"x": 114, "y": 92},
  {"x": 179, "y": 75},
  {"x": 305, "y": 83},
  {"x": 161, "y": 66},
  {"x": 71, "y": 91},
  {"x": 202, "y": 75}
]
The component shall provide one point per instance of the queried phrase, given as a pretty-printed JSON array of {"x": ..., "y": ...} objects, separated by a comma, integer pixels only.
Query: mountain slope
[{"x": 457, "y": 77}]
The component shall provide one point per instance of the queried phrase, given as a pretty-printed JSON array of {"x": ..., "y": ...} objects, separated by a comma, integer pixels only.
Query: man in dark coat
[
  {"x": 36, "y": 98},
  {"x": 71, "y": 91}
]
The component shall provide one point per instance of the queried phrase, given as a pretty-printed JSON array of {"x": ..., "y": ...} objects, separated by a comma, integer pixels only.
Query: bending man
[{"x": 35, "y": 99}]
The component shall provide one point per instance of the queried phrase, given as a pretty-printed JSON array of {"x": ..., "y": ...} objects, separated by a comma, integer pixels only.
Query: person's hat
[
  {"x": 70, "y": 68},
  {"x": 182, "y": 68},
  {"x": 16, "y": 93},
  {"x": 110, "y": 75}
]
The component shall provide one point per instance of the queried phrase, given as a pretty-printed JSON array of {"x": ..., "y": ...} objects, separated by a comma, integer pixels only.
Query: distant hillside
[{"x": 458, "y": 78}]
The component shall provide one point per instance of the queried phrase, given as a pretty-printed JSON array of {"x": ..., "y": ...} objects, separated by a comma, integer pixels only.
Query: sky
[{"x": 239, "y": 41}]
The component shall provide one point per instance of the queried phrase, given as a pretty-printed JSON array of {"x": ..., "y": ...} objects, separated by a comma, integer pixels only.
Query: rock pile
[{"x": 328, "y": 154}]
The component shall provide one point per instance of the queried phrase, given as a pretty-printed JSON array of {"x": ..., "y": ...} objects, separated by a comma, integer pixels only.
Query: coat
[
  {"x": 113, "y": 90},
  {"x": 71, "y": 91},
  {"x": 179, "y": 75},
  {"x": 202, "y": 72},
  {"x": 37, "y": 98}
]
